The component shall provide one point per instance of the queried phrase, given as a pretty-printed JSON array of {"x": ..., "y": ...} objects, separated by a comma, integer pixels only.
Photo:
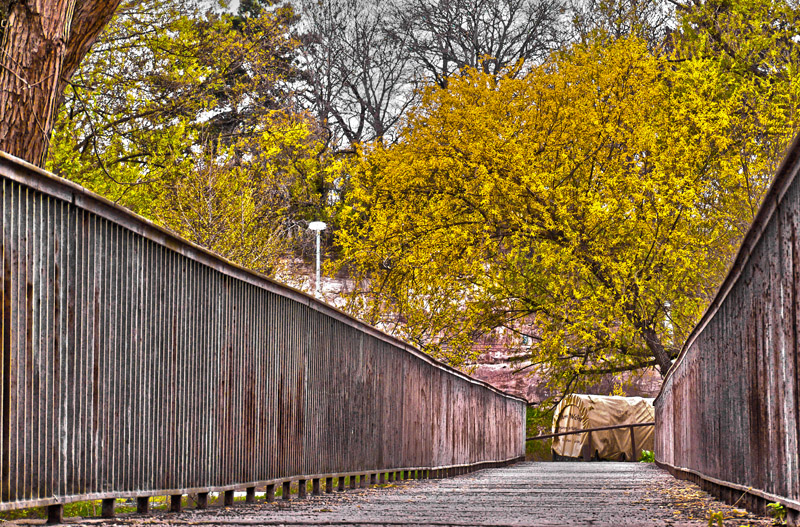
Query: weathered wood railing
[
  {"x": 727, "y": 414},
  {"x": 137, "y": 364}
]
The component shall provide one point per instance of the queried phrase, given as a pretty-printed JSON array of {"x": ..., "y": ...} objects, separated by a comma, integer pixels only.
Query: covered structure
[{"x": 581, "y": 412}]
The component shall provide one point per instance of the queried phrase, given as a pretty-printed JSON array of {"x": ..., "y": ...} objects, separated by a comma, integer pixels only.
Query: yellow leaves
[{"x": 591, "y": 197}]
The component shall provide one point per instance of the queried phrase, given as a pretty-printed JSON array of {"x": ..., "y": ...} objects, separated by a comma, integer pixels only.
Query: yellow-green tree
[
  {"x": 598, "y": 199},
  {"x": 188, "y": 117}
]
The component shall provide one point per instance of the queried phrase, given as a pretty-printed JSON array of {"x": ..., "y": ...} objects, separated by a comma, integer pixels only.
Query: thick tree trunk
[{"x": 43, "y": 44}]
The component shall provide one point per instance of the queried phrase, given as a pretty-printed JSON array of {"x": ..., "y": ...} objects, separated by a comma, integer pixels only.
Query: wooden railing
[
  {"x": 728, "y": 415},
  {"x": 586, "y": 451},
  {"x": 136, "y": 364}
]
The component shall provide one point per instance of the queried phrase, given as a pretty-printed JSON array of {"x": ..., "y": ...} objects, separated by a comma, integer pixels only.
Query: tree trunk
[
  {"x": 43, "y": 44},
  {"x": 657, "y": 349}
]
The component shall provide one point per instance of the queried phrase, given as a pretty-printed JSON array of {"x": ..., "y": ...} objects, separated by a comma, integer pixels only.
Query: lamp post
[{"x": 317, "y": 226}]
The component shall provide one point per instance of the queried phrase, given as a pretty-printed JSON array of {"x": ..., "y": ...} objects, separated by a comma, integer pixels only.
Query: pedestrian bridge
[
  {"x": 525, "y": 494},
  {"x": 136, "y": 364}
]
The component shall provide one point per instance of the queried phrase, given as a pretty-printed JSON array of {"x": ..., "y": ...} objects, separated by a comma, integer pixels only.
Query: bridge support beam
[
  {"x": 328, "y": 485},
  {"x": 202, "y": 500},
  {"x": 143, "y": 504},
  {"x": 270, "y": 497},
  {"x": 251, "y": 495},
  {"x": 315, "y": 490}
]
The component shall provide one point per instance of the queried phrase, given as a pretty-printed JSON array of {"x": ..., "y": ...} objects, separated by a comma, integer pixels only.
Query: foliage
[
  {"x": 649, "y": 21},
  {"x": 248, "y": 208},
  {"x": 188, "y": 117},
  {"x": 538, "y": 421},
  {"x": 715, "y": 516},
  {"x": 41, "y": 46},
  {"x": 597, "y": 198},
  {"x": 778, "y": 513},
  {"x": 648, "y": 456},
  {"x": 588, "y": 199},
  {"x": 81, "y": 509},
  {"x": 751, "y": 54}
]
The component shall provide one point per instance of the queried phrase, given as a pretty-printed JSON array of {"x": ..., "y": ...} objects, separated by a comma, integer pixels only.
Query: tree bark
[
  {"x": 43, "y": 44},
  {"x": 657, "y": 349}
]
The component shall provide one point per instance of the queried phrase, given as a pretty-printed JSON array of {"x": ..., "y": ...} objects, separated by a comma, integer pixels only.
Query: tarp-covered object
[{"x": 579, "y": 412}]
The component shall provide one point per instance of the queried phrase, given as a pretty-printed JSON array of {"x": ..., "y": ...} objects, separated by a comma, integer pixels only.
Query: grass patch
[{"x": 79, "y": 509}]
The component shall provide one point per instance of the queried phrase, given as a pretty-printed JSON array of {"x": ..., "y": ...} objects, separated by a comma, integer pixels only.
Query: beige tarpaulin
[{"x": 577, "y": 412}]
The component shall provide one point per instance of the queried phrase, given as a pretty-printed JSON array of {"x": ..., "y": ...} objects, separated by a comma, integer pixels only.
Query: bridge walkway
[{"x": 525, "y": 494}]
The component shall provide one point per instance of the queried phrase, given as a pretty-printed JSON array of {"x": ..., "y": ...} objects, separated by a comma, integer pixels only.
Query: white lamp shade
[{"x": 317, "y": 225}]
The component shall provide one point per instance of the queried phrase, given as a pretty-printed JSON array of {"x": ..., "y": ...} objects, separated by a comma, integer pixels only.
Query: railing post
[
  {"x": 55, "y": 514},
  {"x": 301, "y": 489},
  {"x": 633, "y": 445},
  {"x": 287, "y": 491},
  {"x": 107, "y": 508}
]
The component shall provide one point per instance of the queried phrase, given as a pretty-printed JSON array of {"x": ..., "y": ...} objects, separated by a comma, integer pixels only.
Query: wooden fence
[
  {"x": 135, "y": 363},
  {"x": 728, "y": 412}
]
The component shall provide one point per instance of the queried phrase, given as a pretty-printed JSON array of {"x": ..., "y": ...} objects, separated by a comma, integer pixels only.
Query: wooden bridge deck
[{"x": 540, "y": 494}]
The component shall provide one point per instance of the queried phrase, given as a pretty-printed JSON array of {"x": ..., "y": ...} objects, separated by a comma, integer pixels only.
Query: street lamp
[{"x": 317, "y": 226}]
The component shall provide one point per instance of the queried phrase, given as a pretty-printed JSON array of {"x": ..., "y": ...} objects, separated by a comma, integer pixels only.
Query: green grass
[
  {"x": 81, "y": 509},
  {"x": 538, "y": 422}
]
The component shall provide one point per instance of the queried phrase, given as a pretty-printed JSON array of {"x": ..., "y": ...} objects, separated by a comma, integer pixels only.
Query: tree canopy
[
  {"x": 190, "y": 118},
  {"x": 576, "y": 173},
  {"x": 593, "y": 203}
]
